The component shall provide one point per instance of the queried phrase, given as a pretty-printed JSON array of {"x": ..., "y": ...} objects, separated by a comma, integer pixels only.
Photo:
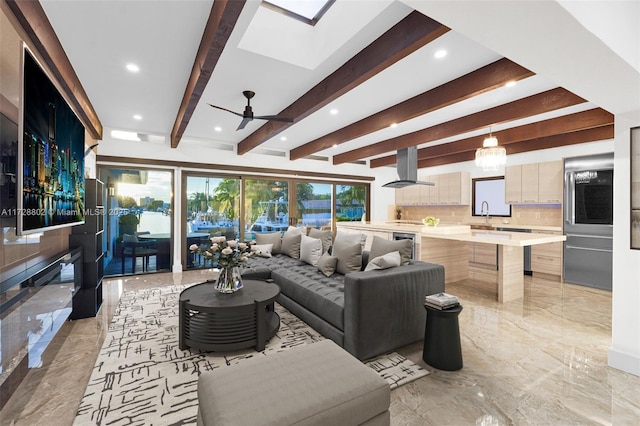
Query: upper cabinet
[
  {"x": 534, "y": 183},
  {"x": 448, "y": 189}
]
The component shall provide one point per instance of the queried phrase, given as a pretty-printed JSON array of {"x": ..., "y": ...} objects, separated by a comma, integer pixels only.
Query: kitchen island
[{"x": 447, "y": 245}]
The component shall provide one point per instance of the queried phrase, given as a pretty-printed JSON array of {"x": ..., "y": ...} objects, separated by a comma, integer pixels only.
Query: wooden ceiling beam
[
  {"x": 536, "y": 104},
  {"x": 573, "y": 138},
  {"x": 404, "y": 38},
  {"x": 480, "y": 81},
  {"x": 222, "y": 20},
  {"x": 35, "y": 23},
  {"x": 596, "y": 117}
]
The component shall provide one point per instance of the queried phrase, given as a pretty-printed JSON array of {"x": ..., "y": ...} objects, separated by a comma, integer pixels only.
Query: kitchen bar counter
[{"x": 447, "y": 245}]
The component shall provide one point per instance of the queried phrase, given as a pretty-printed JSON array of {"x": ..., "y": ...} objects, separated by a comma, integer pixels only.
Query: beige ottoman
[{"x": 316, "y": 384}]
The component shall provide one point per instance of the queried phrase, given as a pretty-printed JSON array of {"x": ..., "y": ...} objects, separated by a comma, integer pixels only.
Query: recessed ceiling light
[
  {"x": 334, "y": 145},
  {"x": 283, "y": 138},
  {"x": 392, "y": 125},
  {"x": 440, "y": 53},
  {"x": 127, "y": 136},
  {"x": 137, "y": 117},
  {"x": 133, "y": 67},
  {"x": 510, "y": 83},
  {"x": 333, "y": 111},
  {"x": 217, "y": 129}
]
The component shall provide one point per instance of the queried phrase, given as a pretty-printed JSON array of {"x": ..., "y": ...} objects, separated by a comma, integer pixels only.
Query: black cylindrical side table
[{"x": 442, "y": 339}]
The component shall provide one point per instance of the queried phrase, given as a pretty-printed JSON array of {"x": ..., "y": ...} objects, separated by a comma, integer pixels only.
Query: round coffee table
[{"x": 212, "y": 321}]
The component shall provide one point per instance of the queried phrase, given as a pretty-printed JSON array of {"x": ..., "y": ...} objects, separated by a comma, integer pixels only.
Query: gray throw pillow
[
  {"x": 325, "y": 236},
  {"x": 380, "y": 247},
  {"x": 349, "y": 256},
  {"x": 352, "y": 237},
  {"x": 271, "y": 238},
  {"x": 327, "y": 264},
  {"x": 388, "y": 260},
  {"x": 291, "y": 244}
]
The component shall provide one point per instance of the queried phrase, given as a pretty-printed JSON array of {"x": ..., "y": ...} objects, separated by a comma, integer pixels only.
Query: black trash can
[{"x": 442, "y": 339}]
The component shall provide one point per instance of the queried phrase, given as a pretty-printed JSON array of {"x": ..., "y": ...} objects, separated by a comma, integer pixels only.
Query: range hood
[{"x": 407, "y": 164}]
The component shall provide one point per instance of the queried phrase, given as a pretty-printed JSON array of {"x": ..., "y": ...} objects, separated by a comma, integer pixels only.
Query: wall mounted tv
[{"x": 51, "y": 154}]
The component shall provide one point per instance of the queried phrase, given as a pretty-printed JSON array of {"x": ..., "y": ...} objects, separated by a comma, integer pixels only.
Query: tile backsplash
[{"x": 534, "y": 214}]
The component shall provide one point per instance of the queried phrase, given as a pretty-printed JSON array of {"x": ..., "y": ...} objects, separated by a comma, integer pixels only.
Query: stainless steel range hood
[{"x": 407, "y": 165}]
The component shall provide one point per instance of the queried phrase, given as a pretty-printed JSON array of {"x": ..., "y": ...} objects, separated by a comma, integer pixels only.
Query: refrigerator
[{"x": 588, "y": 220}]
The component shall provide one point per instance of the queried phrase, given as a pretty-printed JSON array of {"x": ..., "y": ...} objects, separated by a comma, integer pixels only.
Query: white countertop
[{"x": 461, "y": 233}]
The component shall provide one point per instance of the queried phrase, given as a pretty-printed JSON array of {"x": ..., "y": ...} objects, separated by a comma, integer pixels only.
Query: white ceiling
[{"x": 277, "y": 57}]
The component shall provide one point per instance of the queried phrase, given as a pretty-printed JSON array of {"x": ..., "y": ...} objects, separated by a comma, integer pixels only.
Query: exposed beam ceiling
[
  {"x": 410, "y": 34},
  {"x": 596, "y": 117},
  {"x": 532, "y": 105},
  {"x": 222, "y": 21},
  {"x": 475, "y": 83}
]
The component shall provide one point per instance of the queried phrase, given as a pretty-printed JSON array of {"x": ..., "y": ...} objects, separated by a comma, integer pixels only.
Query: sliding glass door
[
  {"x": 266, "y": 206},
  {"x": 313, "y": 204}
]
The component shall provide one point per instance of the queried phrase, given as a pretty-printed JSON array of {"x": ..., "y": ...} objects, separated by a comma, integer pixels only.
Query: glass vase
[{"x": 229, "y": 280}]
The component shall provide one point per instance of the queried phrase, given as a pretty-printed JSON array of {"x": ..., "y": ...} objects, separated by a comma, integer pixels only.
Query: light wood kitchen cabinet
[
  {"x": 484, "y": 255},
  {"x": 513, "y": 184},
  {"x": 449, "y": 189},
  {"x": 547, "y": 258},
  {"x": 550, "y": 182},
  {"x": 534, "y": 183}
]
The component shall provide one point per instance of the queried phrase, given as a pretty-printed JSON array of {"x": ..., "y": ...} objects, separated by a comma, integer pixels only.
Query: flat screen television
[
  {"x": 51, "y": 155},
  {"x": 491, "y": 190}
]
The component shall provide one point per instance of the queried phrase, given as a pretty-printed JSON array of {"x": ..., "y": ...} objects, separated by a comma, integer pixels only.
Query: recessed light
[
  {"x": 333, "y": 111},
  {"x": 124, "y": 135},
  {"x": 133, "y": 67},
  {"x": 137, "y": 117},
  {"x": 510, "y": 83},
  {"x": 283, "y": 138},
  {"x": 334, "y": 145},
  {"x": 393, "y": 125},
  {"x": 217, "y": 129},
  {"x": 440, "y": 53}
]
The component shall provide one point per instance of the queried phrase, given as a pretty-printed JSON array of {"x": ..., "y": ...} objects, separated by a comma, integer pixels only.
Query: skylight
[{"x": 308, "y": 11}]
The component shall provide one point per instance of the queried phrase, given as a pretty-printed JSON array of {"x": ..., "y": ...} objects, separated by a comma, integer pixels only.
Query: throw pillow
[
  {"x": 349, "y": 256},
  {"x": 327, "y": 264},
  {"x": 262, "y": 250},
  {"x": 388, "y": 260},
  {"x": 380, "y": 247},
  {"x": 325, "y": 236},
  {"x": 291, "y": 244},
  {"x": 310, "y": 250},
  {"x": 295, "y": 230},
  {"x": 271, "y": 238},
  {"x": 361, "y": 238}
]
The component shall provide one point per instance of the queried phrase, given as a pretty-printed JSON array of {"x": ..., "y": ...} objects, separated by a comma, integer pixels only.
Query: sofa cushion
[
  {"x": 351, "y": 237},
  {"x": 259, "y": 268},
  {"x": 325, "y": 236},
  {"x": 310, "y": 250},
  {"x": 319, "y": 294},
  {"x": 327, "y": 264},
  {"x": 380, "y": 247},
  {"x": 291, "y": 244},
  {"x": 386, "y": 261},
  {"x": 349, "y": 256},
  {"x": 270, "y": 238}
]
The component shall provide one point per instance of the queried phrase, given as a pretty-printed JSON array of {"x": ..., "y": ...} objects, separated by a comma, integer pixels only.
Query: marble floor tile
[{"x": 539, "y": 360}]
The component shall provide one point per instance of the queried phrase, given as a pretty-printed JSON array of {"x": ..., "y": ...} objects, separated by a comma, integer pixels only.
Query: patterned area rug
[{"x": 141, "y": 377}]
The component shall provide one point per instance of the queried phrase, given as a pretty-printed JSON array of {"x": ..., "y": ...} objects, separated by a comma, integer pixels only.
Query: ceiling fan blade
[
  {"x": 243, "y": 123},
  {"x": 228, "y": 110},
  {"x": 275, "y": 118}
]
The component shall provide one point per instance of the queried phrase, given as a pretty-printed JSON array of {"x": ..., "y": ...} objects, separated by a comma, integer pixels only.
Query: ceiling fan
[{"x": 247, "y": 115}]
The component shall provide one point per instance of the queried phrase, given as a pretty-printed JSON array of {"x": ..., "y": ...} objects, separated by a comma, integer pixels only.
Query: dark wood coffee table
[{"x": 212, "y": 321}]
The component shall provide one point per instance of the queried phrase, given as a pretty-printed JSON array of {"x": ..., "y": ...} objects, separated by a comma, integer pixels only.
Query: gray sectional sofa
[{"x": 368, "y": 313}]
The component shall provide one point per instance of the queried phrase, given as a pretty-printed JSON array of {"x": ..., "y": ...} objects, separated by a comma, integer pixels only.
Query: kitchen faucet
[{"x": 486, "y": 220}]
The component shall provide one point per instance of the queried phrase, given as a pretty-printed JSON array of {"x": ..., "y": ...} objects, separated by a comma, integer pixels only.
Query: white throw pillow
[
  {"x": 310, "y": 250},
  {"x": 263, "y": 250},
  {"x": 295, "y": 230},
  {"x": 388, "y": 260}
]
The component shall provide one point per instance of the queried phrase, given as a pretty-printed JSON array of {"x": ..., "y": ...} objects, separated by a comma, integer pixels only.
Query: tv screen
[
  {"x": 490, "y": 190},
  {"x": 52, "y": 156}
]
